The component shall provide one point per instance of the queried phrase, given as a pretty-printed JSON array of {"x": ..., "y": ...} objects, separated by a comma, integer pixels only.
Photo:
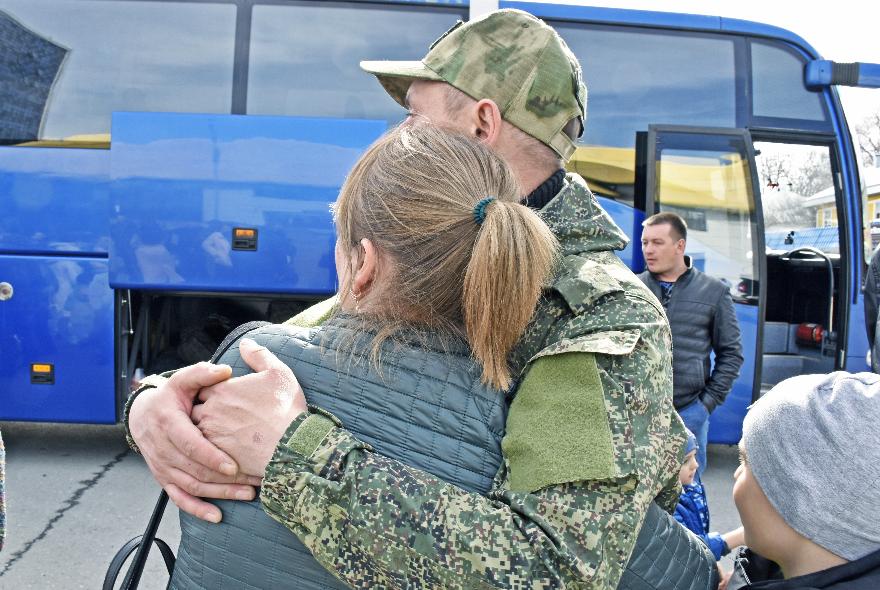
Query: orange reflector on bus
[
  {"x": 43, "y": 373},
  {"x": 244, "y": 238}
]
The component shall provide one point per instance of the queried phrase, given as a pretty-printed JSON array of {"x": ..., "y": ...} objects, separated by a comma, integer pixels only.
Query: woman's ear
[
  {"x": 364, "y": 274},
  {"x": 487, "y": 122}
]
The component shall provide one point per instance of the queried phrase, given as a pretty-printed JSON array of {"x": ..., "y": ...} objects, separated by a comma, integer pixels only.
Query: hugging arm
[
  {"x": 159, "y": 425},
  {"x": 378, "y": 522}
]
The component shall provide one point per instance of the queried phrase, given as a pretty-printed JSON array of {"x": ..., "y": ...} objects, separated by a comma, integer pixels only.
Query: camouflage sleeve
[
  {"x": 668, "y": 497},
  {"x": 379, "y": 523}
]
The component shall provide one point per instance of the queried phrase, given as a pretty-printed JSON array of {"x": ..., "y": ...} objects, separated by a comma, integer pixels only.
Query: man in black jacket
[{"x": 701, "y": 315}]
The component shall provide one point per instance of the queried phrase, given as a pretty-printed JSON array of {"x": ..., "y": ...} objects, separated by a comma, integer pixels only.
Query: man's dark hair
[{"x": 679, "y": 227}]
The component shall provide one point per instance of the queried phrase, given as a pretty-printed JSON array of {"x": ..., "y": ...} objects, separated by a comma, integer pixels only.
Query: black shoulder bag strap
[{"x": 142, "y": 544}]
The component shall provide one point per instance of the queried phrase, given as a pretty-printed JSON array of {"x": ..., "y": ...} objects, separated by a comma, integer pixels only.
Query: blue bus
[{"x": 166, "y": 169}]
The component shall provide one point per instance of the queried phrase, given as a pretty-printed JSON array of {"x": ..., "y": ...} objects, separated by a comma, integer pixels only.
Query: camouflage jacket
[{"x": 567, "y": 504}]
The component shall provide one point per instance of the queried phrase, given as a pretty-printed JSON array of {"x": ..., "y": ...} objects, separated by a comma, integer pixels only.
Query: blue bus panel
[
  {"x": 54, "y": 200},
  {"x": 227, "y": 203},
  {"x": 629, "y": 219},
  {"x": 857, "y": 342},
  {"x": 60, "y": 315}
]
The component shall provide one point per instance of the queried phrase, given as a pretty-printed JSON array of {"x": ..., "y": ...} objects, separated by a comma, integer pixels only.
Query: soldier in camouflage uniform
[{"x": 592, "y": 437}]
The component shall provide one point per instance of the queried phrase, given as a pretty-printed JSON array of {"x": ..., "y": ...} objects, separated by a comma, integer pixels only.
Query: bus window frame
[
  {"x": 242, "y": 42},
  {"x": 245, "y": 21},
  {"x": 743, "y": 35}
]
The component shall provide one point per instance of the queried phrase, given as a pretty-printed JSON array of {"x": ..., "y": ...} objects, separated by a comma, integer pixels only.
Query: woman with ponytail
[
  {"x": 431, "y": 232},
  {"x": 440, "y": 269}
]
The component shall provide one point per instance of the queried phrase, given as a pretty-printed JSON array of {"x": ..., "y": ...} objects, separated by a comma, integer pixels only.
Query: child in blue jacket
[{"x": 693, "y": 509}]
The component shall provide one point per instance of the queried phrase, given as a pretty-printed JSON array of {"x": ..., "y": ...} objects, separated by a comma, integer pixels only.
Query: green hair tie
[{"x": 480, "y": 210}]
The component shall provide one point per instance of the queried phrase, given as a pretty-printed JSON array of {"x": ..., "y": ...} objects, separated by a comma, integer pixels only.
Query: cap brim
[{"x": 396, "y": 76}]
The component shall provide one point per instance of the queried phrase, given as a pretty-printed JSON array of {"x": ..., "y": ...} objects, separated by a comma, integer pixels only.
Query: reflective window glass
[
  {"x": 637, "y": 78},
  {"x": 707, "y": 180},
  {"x": 641, "y": 78},
  {"x": 304, "y": 58},
  {"x": 798, "y": 196},
  {"x": 778, "y": 88},
  {"x": 66, "y": 65}
]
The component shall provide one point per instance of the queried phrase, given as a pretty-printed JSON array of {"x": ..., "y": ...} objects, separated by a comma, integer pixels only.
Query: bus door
[{"x": 708, "y": 177}]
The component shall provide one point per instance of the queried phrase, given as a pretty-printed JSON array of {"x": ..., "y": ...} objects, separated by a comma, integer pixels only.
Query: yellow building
[{"x": 826, "y": 207}]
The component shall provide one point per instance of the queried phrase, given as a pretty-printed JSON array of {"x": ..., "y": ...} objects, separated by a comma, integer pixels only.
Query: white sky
[{"x": 840, "y": 30}]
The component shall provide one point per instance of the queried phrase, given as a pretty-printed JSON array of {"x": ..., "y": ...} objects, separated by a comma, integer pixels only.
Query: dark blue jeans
[{"x": 696, "y": 418}]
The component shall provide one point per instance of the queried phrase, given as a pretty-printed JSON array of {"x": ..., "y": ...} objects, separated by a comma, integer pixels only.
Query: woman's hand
[
  {"x": 247, "y": 416},
  {"x": 725, "y": 578}
]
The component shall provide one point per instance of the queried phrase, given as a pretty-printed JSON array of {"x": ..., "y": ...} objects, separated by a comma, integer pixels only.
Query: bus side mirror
[{"x": 820, "y": 73}]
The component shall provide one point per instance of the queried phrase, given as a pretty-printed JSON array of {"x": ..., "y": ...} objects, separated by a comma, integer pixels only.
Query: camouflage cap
[{"x": 508, "y": 56}]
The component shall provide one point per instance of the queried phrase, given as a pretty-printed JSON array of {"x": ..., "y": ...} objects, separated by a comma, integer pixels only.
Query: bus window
[
  {"x": 707, "y": 179},
  {"x": 778, "y": 89},
  {"x": 67, "y": 65},
  {"x": 295, "y": 71},
  {"x": 637, "y": 78},
  {"x": 798, "y": 196}
]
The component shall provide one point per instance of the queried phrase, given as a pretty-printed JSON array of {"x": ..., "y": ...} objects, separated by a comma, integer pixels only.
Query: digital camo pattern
[
  {"x": 379, "y": 523},
  {"x": 596, "y": 304}
]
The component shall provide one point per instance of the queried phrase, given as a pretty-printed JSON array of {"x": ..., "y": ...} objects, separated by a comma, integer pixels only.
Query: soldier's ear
[{"x": 487, "y": 122}]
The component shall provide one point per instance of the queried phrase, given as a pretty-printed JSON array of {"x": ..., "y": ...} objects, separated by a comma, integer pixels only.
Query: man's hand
[
  {"x": 247, "y": 416},
  {"x": 178, "y": 455}
]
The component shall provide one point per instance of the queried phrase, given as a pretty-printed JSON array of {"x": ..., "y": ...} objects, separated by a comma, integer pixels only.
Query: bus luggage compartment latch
[{"x": 43, "y": 374}]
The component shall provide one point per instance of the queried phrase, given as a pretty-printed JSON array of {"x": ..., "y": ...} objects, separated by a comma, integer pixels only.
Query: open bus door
[{"x": 708, "y": 177}]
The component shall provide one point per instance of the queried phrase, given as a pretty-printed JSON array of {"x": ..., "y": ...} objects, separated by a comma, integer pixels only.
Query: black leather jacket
[{"x": 702, "y": 318}]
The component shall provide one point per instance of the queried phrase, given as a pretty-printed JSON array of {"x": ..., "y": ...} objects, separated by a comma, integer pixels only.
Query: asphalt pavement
[{"x": 76, "y": 494}]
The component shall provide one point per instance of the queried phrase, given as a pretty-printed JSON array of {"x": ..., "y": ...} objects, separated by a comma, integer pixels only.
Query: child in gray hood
[{"x": 807, "y": 486}]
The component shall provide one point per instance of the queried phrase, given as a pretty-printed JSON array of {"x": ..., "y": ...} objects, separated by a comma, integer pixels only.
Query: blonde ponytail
[{"x": 512, "y": 257}]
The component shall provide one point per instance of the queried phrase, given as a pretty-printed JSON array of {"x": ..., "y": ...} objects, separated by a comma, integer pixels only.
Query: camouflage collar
[{"x": 579, "y": 222}]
